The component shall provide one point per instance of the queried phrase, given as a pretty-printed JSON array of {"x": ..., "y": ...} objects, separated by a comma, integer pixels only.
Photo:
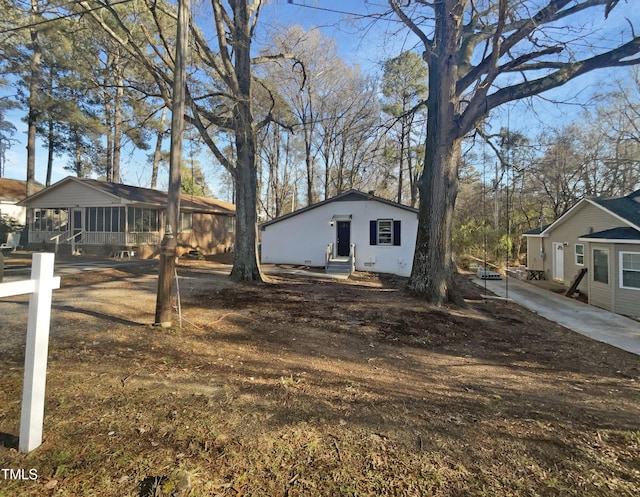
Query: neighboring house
[
  {"x": 374, "y": 234},
  {"x": 13, "y": 191},
  {"x": 601, "y": 236},
  {"x": 103, "y": 218}
]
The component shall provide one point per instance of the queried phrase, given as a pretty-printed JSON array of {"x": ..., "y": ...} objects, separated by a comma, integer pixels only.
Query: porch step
[{"x": 339, "y": 266}]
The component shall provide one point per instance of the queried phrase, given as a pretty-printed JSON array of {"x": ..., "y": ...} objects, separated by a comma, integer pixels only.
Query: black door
[{"x": 344, "y": 238}]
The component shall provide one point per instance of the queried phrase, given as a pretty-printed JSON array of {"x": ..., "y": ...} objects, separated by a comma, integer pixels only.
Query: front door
[
  {"x": 343, "y": 238},
  {"x": 76, "y": 224},
  {"x": 558, "y": 261}
]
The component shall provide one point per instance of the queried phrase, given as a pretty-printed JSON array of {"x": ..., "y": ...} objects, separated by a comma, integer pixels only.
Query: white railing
[
  {"x": 143, "y": 238},
  {"x": 97, "y": 238},
  {"x": 40, "y": 286},
  {"x": 352, "y": 256},
  {"x": 328, "y": 254},
  {"x": 46, "y": 236},
  {"x": 56, "y": 238},
  {"x": 72, "y": 238}
]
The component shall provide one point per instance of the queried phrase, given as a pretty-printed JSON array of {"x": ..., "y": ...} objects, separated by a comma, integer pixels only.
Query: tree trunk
[
  {"x": 157, "y": 153},
  {"x": 109, "y": 149},
  {"x": 433, "y": 268},
  {"x": 308, "y": 159},
  {"x": 245, "y": 266},
  {"x": 117, "y": 123},
  {"x": 401, "y": 166},
  {"x": 32, "y": 118},
  {"x": 50, "y": 147}
]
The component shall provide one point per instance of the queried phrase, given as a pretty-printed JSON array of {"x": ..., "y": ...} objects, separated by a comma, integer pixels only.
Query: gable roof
[
  {"x": 348, "y": 196},
  {"x": 139, "y": 195},
  {"x": 536, "y": 231},
  {"x": 14, "y": 190},
  {"x": 618, "y": 234},
  {"x": 626, "y": 209}
]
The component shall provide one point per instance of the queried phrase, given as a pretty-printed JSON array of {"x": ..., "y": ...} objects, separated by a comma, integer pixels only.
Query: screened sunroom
[{"x": 86, "y": 215}]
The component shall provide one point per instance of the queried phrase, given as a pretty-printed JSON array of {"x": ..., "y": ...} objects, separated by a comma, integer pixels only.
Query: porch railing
[
  {"x": 328, "y": 254},
  {"x": 73, "y": 240},
  {"x": 352, "y": 256},
  {"x": 96, "y": 238}
]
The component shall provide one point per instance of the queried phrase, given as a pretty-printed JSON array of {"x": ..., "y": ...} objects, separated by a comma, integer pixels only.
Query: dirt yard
[{"x": 314, "y": 387}]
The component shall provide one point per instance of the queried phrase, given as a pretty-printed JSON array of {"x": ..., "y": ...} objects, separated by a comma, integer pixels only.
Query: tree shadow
[{"x": 9, "y": 441}]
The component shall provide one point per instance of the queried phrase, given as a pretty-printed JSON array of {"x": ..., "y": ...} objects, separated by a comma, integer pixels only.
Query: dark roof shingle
[
  {"x": 614, "y": 234},
  {"x": 628, "y": 208}
]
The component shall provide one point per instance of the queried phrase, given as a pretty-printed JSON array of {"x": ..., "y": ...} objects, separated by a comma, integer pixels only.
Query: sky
[{"x": 366, "y": 43}]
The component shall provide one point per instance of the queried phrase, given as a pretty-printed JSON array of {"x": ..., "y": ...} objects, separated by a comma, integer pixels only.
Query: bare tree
[
  {"x": 219, "y": 101},
  {"x": 480, "y": 56}
]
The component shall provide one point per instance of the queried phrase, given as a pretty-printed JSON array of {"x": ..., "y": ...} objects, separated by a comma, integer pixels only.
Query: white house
[
  {"x": 13, "y": 191},
  {"x": 368, "y": 232}
]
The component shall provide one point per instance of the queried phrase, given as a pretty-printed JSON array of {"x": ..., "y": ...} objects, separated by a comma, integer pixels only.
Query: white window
[
  {"x": 385, "y": 232},
  {"x": 630, "y": 270},
  {"x": 579, "y": 254}
]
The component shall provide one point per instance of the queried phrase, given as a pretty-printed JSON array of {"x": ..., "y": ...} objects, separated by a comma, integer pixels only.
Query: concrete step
[{"x": 338, "y": 267}]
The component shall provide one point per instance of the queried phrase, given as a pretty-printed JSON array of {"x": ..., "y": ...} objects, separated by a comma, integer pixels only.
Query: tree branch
[{"x": 618, "y": 57}]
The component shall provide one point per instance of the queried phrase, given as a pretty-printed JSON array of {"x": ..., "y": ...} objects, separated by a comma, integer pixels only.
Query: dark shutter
[
  {"x": 396, "y": 233},
  {"x": 373, "y": 232}
]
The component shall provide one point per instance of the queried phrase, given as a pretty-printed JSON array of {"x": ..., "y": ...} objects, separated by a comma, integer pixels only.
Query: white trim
[
  {"x": 565, "y": 217},
  {"x": 593, "y": 265},
  {"x": 384, "y": 244},
  {"x": 621, "y": 272},
  {"x": 609, "y": 240},
  {"x": 575, "y": 254}
]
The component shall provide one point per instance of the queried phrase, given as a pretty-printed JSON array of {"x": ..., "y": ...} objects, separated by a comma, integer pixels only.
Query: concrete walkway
[{"x": 587, "y": 320}]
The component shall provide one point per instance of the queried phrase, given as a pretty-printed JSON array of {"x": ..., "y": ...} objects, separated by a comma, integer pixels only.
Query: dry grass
[{"x": 315, "y": 388}]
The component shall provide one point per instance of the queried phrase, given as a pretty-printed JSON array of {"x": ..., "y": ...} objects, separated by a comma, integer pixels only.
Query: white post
[{"x": 35, "y": 361}]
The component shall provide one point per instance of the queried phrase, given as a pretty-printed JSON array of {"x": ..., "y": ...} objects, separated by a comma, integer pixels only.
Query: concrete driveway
[
  {"x": 587, "y": 320},
  {"x": 21, "y": 271}
]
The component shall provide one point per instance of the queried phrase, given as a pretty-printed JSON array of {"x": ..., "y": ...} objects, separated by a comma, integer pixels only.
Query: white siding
[
  {"x": 73, "y": 194},
  {"x": 303, "y": 238},
  {"x": 626, "y": 300}
]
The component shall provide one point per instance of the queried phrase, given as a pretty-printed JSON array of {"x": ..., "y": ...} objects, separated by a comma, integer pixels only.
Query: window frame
[
  {"x": 143, "y": 220},
  {"x": 49, "y": 220},
  {"x": 622, "y": 270},
  {"x": 386, "y": 235},
  {"x": 186, "y": 227},
  {"x": 578, "y": 255},
  {"x": 595, "y": 272}
]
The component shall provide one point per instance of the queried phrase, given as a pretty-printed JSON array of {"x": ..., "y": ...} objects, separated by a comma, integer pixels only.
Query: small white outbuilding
[{"x": 371, "y": 233}]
